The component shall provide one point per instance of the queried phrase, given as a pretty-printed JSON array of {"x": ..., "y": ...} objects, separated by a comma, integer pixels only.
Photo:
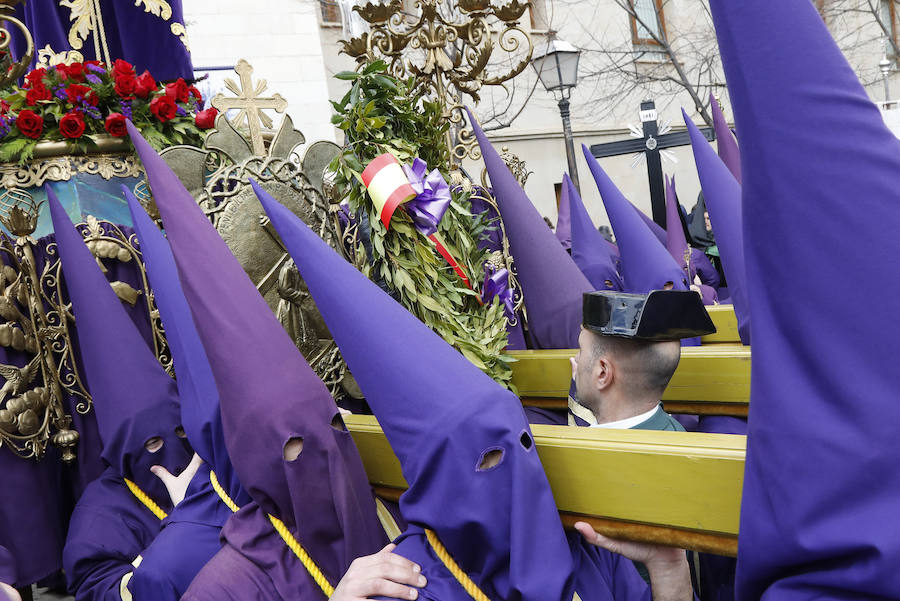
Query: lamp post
[
  {"x": 556, "y": 64},
  {"x": 885, "y": 66}
]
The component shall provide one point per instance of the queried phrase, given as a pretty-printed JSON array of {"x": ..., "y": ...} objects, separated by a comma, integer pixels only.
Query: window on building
[
  {"x": 889, "y": 19},
  {"x": 648, "y": 23},
  {"x": 330, "y": 11}
]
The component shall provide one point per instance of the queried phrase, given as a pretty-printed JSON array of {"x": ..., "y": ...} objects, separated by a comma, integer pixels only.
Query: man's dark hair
[{"x": 647, "y": 367}]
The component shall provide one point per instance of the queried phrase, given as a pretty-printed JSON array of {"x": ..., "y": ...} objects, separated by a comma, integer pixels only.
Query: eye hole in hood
[
  {"x": 292, "y": 448},
  {"x": 490, "y": 459},
  {"x": 337, "y": 422},
  {"x": 525, "y": 441},
  {"x": 154, "y": 444}
]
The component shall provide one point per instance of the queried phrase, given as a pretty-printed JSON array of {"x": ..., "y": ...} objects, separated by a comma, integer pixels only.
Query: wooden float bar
[{"x": 675, "y": 488}]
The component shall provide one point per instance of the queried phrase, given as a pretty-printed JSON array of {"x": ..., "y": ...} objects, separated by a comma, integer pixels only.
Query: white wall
[{"x": 281, "y": 39}]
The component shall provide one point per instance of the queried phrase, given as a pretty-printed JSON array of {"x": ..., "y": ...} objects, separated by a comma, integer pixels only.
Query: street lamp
[
  {"x": 885, "y": 66},
  {"x": 557, "y": 68}
]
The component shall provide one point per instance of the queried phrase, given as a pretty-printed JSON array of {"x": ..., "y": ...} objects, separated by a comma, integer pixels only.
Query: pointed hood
[
  {"x": 563, "y": 218},
  {"x": 268, "y": 395},
  {"x": 134, "y": 399},
  {"x": 675, "y": 241},
  {"x": 441, "y": 421},
  {"x": 197, "y": 391},
  {"x": 819, "y": 163},
  {"x": 657, "y": 229},
  {"x": 551, "y": 282},
  {"x": 725, "y": 141},
  {"x": 646, "y": 265},
  {"x": 722, "y": 195},
  {"x": 590, "y": 250}
]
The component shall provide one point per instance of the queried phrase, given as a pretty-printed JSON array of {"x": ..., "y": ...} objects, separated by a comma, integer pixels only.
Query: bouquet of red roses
[{"x": 79, "y": 101}]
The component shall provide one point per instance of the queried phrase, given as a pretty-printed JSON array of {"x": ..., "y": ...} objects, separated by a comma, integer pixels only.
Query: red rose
[
  {"x": 177, "y": 90},
  {"x": 71, "y": 125},
  {"x": 144, "y": 84},
  {"x": 125, "y": 85},
  {"x": 35, "y": 76},
  {"x": 121, "y": 68},
  {"x": 38, "y": 92},
  {"x": 163, "y": 107},
  {"x": 78, "y": 93},
  {"x": 30, "y": 124},
  {"x": 75, "y": 71},
  {"x": 195, "y": 93},
  {"x": 4, "y": 107},
  {"x": 115, "y": 125},
  {"x": 206, "y": 119}
]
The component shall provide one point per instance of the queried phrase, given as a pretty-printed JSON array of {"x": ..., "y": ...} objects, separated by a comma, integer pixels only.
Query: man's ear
[{"x": 603, "y": 373}]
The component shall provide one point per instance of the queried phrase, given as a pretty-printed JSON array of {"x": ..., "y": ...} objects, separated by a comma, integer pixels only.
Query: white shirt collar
[{"x": 628, "y": 422}]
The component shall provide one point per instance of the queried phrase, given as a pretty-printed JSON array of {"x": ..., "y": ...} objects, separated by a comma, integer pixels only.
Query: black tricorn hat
[{"x": 659, "y": 315}]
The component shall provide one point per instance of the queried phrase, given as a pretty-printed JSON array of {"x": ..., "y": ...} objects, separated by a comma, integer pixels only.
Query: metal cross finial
[{"x": 250, "y": 104}]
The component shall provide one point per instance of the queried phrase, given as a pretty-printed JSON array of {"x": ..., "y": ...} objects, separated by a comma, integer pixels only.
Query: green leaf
[
  {"x": 347, "y": 75},
  {"x": 473, "y": 358}
]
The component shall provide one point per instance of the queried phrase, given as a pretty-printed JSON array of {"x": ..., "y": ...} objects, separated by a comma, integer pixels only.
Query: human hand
[
  {"x": 670, "y": 576},
  {"x": 11, "y": 593},
  {"x": 177, "y": 485},
  {"x": 383, "y": 574}
]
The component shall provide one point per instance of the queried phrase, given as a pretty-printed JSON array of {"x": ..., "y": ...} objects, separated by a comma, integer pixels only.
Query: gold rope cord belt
[
  {"x": 145, "y": 499},
  {"x": 461, "y": 577},
  {"x": 288, "y": 538},
  {"x": 468, "y": 585}
]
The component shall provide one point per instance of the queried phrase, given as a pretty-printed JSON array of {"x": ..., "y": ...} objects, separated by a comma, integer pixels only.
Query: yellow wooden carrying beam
[
  {"x": 676, "y": 488},
  {"x": 724, "y": 319},
  {"x": 710, "y": 380}
]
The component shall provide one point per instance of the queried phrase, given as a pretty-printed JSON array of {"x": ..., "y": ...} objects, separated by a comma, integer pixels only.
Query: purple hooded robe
[
  {"x": 134, "y": 400},
  {"x": 500, "y": 524},
  {"x": 268, "y": 396},
  {"x": 190, "y": 536},
  {"x": 819, "y": 506},
  {"x": 551, "y": 282},
  {"x": 595, "y": 257}
]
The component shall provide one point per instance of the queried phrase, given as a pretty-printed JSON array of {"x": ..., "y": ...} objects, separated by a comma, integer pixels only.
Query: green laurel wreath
[{"x": 383, "y": 114}]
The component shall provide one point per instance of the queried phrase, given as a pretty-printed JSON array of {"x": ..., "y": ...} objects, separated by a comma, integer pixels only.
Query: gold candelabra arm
[
  {"x": 452, "y": 48},
  {"x": 12, "y": 70}
]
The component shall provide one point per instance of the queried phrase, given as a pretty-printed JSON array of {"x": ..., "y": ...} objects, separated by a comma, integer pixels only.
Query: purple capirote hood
[
  {"x": 134, "y": 399},
  {"x": 564, "y": 217},
  {"x": 820, "y": 205},
  {"x": 197, "y": 390},
  {"x": 591, "y": 252},
  {"x": 268, "y": 394},
  {"x": 442, "y": 415},
  {"x": 551, "y": 282},
  {"x": 726, "y": 143},
  {"x": 646, "y": 264},
  {"x": 723, "y": 202}
]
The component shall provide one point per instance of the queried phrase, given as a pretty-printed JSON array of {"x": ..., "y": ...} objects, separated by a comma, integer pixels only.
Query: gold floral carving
[
  {"x": 180, "y": 32},
  {"x": 62, "y": 168},
  {"x": 87, "y": 21},
  {"x": 159, "y": 8},
  {"x": 82, "y": 16},
  {"x": 47, "y": 57}
]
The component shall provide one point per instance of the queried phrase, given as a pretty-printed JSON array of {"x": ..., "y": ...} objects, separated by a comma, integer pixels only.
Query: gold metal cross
[{"x": 250, "y": 104}]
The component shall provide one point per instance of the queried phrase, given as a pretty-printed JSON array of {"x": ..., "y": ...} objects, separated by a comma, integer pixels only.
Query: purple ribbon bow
[
  {"x": 496, "y": 283},
  {"x": 432, "y": 196}
]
